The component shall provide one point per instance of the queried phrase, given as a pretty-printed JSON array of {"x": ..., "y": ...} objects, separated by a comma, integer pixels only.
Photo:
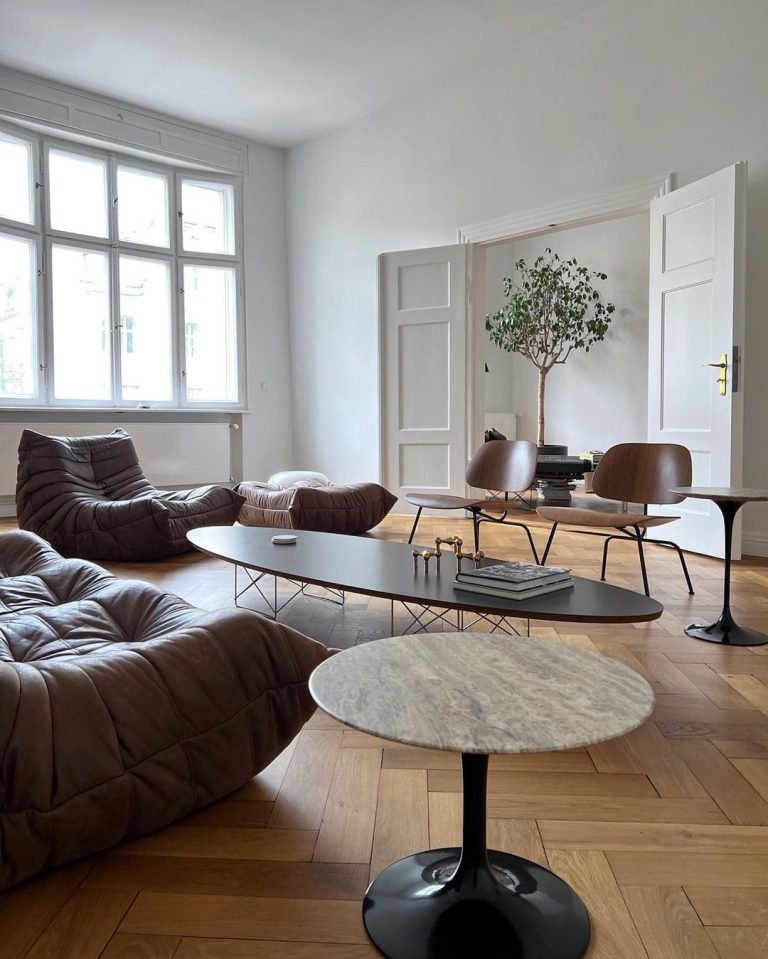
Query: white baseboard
[{"x": 754, "y": 544}]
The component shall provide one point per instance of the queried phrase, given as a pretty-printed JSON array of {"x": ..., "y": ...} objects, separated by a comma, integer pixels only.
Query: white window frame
[{"x": 45, "y": 237}]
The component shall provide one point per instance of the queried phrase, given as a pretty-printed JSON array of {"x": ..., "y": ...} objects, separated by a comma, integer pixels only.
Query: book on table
[
  {"x": 514, "y": 577},
  {"x": 514, "y": 594}
]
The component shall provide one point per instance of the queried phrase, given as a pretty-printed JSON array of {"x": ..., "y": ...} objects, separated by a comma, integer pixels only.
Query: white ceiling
[{"x": 280, "y": 71}]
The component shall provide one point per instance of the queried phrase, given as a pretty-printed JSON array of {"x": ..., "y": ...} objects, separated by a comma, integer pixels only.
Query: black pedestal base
[
  {"x": 729, "y": 634},
  {"x": 416, "y": 909}
]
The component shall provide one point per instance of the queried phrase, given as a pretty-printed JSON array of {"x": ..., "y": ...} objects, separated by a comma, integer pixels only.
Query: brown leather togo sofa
[
  {"x": 122, "y": 708},
  {"x": 325, "y": 508},
  {"x": 89, "y": 498}
]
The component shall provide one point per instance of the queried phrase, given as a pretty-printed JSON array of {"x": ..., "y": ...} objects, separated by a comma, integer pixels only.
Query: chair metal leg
[
  {"x": 639, "y": 538},
  {"x": 415, "y": 524},
  {"x": 666, "y": 542},
  {"x": 531, "y": 543},
  {"x": 605, "y": 555},
  {"x": 549, "y": 544},
  {"x": 476, "y": 530}
]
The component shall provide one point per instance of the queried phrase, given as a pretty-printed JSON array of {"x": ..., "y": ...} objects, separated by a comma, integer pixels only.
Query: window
[{"x": 119, "y": 280}]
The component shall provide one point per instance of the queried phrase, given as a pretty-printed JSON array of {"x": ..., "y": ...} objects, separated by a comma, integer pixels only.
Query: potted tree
[{"x": 552, "y": 309}]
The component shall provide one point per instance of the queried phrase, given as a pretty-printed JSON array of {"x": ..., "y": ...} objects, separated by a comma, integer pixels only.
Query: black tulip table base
[
  {"x": 725, "y": 630},
  {"x": 474, "y": 903},
  {"x": 422, "y": 908},
  {"x": 728, "y": 633}
]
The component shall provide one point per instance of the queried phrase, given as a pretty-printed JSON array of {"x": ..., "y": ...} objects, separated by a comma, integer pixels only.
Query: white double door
[{"x": 432, "y": 359}]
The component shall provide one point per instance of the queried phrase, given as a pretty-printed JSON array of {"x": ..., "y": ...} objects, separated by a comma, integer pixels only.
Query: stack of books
[{"x": 514, "y": 580}]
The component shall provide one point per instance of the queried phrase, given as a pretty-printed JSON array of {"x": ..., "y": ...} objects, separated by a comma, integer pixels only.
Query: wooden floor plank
[
  {"x": 346, "y": 833},
  {"x": 667, "y": 923},
  {"x": 599, "y": 809},
  {"x": 217, "y": 842},
  {"x": 755, "y": 771},
  {"x": 720, "y": 870},
  {"x": 614, "y": 935},
  {"x": 84, "y": 926},
  {"x": 304, "y": 791},
  {"x": 240, "y": 877},
  {"x": 266, "y": 786},
  {"x": 241, "y": 917},
  {"x": 654, "y": 836},
  {"x": 721, "y": 906},
  {"x": 402, "y": 817},
  {"x": 258, "y": 949},
  {"x": 738, "y": 799},
  {"x": 26, "y": 911},
  {"x": 122, "y": 946},
  {"x": 550, "y": 784},
  {"x": 744, "y": 943},
  {"x": 410, "y": 757},
  {"x": 669, "y": 774},
  {"x": 751, "y": 688}
]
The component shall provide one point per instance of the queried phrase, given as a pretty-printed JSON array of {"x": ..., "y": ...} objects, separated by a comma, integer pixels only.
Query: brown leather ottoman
[
  {"x": 123, "y": 708},
  {"x": 326, "y": 509}
]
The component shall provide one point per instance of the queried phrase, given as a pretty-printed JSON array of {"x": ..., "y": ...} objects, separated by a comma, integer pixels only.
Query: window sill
[{"x": 122, "y": 410}]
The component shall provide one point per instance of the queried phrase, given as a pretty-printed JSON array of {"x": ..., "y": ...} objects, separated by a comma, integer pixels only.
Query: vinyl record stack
[{"x": 516, "y": 581}]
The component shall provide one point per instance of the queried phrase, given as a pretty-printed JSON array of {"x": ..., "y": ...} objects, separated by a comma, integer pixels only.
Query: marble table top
[
  {"x": 481, "y": 693},
  {"x": 723, "y": 493}
]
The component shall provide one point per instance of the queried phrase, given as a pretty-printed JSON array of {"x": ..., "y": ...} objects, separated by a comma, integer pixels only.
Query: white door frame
[{"x": 595, "y": 208}]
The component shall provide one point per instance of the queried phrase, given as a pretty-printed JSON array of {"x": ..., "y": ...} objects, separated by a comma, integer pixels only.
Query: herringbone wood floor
[{"x": 664, "y": 833}]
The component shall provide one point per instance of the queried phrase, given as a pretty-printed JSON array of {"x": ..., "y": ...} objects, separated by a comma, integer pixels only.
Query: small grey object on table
[
  {"x": 477, "y": 694},
  {"x": 729, "y": 500}
]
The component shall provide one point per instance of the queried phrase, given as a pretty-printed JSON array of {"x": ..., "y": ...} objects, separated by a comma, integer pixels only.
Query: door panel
[
  {"x": 423, "y": 376},
  {"x": 696, "y": 314}
]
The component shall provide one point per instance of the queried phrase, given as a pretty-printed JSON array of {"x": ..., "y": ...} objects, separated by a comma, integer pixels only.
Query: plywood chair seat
[
  {"x": 508, "y": 466},
  {"x": 631, "y": 473},
  {"x": 603, "y": 519}
]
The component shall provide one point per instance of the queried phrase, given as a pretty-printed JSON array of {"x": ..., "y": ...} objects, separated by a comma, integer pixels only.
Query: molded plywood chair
[
  {"x": 507, "y": 466},
  {"x": 631, "y": 473}
]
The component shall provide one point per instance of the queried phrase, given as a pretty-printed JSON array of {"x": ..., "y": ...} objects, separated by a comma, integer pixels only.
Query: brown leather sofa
[
  {"x": 122, "y": 708},
  {"x": 89, "y": 498},
  {"x": 307, "y": 505}
]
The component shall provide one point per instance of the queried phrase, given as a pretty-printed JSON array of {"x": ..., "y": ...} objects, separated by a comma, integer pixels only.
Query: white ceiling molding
[
  {"x": 588, "y": 209},
  {"x": 62, "y": 108}
]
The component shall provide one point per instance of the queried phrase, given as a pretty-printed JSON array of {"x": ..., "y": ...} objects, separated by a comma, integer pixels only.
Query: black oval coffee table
[{"x": 375, "y": 567}]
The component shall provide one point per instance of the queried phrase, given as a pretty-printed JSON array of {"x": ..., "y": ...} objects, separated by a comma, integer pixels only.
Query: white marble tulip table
[{"x": 478, "y": 694}]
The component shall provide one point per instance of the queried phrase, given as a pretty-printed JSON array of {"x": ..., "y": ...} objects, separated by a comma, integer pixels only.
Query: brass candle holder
[{"x": 477, "y": 557}]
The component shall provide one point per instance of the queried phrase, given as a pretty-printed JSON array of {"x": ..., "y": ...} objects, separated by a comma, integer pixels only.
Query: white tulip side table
[
  {"x": 729, "y": 500},
  {"x": 478, "y": 694}
]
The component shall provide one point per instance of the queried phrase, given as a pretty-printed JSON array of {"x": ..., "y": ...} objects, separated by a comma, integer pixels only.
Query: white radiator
[{"x": 171, "y": 454}]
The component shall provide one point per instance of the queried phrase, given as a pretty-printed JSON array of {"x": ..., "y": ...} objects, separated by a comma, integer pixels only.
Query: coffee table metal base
[{"x": 422, "y": 908}]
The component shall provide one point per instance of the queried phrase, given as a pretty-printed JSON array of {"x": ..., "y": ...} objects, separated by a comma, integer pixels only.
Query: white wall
[
  {"x": 631, "y": 90},
  {"x": 576, "y": 410},
  {"x": 267, "y": 426}
]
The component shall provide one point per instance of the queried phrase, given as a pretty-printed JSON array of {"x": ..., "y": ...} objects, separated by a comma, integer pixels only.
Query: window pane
[
  {"x": 78, "y": 191},
  {"x": 18, "y": 318},
  {"x": 16, "y": 187},
  {"x": 145, "y": 319},
  {"x": 210, "y": 333},
  {"x": 208, "y": 217},
  {"x": 142, "y": 206},
  {"x": 81, "y": 325}
]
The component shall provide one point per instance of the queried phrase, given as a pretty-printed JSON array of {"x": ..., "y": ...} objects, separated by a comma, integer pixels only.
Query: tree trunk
[{"x": 542, "y": 383}]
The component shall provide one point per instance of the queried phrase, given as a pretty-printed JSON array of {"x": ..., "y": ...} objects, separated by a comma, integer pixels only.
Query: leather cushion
[
  {"x": 331, "y": 509},
  {"x": 123, "y": 708}
]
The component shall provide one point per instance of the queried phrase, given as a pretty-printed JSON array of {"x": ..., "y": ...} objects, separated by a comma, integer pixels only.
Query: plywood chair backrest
[
  {"x": 504, "y": 465},
  {"x": 643, "y": 472}
]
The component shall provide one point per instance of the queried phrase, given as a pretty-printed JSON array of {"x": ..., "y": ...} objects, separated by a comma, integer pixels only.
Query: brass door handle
[{"x": 721, "y": 380}]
